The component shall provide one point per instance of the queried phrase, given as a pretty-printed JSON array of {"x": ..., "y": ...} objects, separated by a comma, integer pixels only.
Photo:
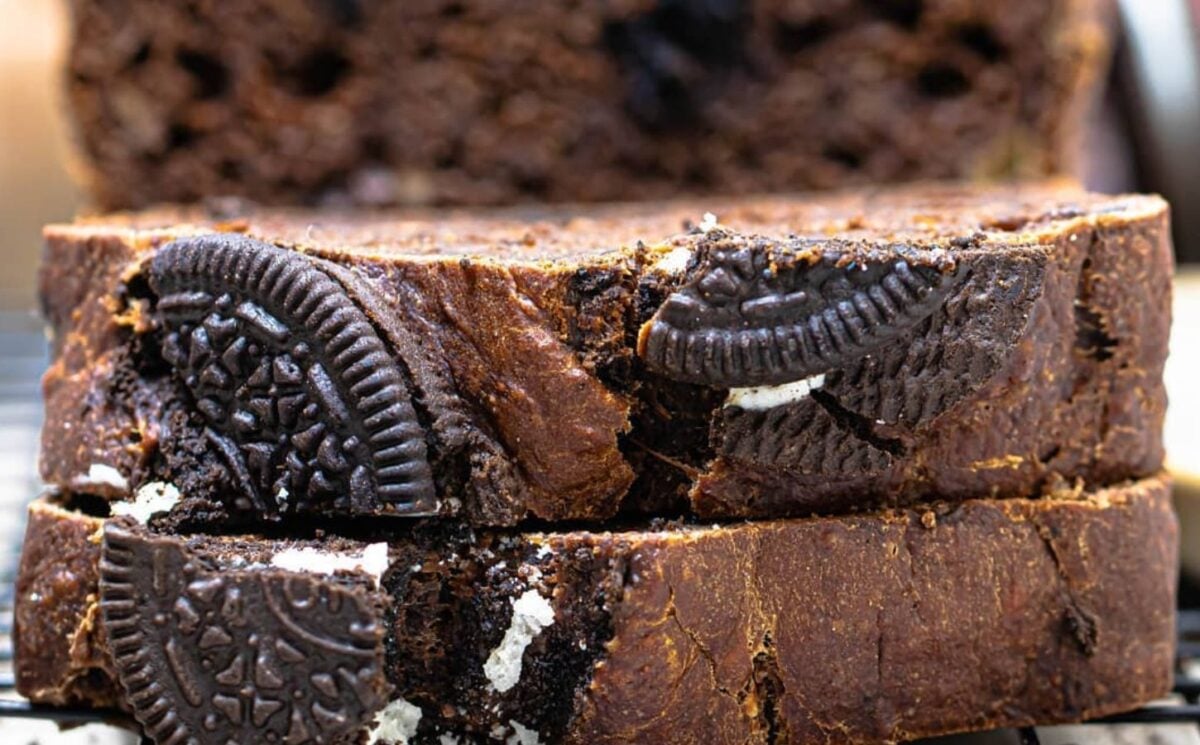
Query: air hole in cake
[
  {"x": 906, "y": 13},
  {"x": 453, "y": 10},
  {"x": 428, "y": 50},
  {"x": 698, "y": 175},
  {"x": 843, "y": 156},
  {"x": 791, "y": 38},
  {"x": 210, "y": 76},
  {"x": 180, "y": 136},
  {"x": 345, "y": 13},
  {"x": 87, "y": 504},
  {"x": 141, "y": 56},
  {"x": 532, "y": 184},
  {"x": 676, "y": 56},
  {"x": 939, "y": 80},
  {"x": 374, "y": 148},
  {"x": 452, "y": 157},
  {"x": 230, "y": 169},
  {"x": 980, "y": 39},
  {"x": 319, "y": 72},
  {"x": 1090, "y": 337}
]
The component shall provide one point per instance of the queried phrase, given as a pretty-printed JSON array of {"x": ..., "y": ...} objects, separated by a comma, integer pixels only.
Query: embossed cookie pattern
[{"x": 302, "y": 399}]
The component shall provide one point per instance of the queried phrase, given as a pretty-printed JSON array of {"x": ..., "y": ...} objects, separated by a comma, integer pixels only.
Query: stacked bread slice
[
  {"x": 861, "y": 467},
  {"x": 477, "y": 102},
  {"x": 689, "y": 466}
]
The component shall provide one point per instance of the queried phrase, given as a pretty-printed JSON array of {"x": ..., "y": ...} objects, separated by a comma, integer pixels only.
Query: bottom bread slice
[{"x": 876, "y": 627}]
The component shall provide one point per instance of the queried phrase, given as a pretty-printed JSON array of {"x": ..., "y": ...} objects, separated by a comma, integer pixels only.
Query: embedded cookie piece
[
  {"x": 855, "y": 629},
  {"x": 791, "y": 356},
  {"x": 751, "y": 316},
  {"x": 206, "y": 654},
  {"x": 301, "y": 397}
]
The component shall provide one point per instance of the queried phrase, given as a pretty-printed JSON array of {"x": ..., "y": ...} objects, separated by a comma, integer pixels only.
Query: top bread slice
[
  {"x": 746, "y": 358},
  {"x": 476, "y": 102}
]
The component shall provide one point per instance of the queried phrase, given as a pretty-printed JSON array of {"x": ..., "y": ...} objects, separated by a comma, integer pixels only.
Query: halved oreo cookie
[
  {"x": 304, "y": 402},
  {"x": 749, "y": 316},
  {"x": 250, "y": 656}
]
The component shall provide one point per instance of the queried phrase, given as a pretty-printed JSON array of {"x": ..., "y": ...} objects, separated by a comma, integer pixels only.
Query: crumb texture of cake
[
  {"x": 582, "y": 102},
  {"x": 810, "y": 355},
  {"x": 860, "y": 628},
  {"x": 60, "y": 649}
]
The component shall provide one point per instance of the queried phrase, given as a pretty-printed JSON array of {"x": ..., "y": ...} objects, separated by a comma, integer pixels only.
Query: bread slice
[
  {"x": 781, "y": 356},
  {"x": 474, "y": 102},
  {"x": 865, "y": 628}
]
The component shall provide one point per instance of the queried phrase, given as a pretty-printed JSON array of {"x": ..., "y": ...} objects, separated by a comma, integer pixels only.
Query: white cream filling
[
  {"x": 522, "y": 735},
  {"x": 101, "y": 474},
  {"x": 674, "y": 261},
  {"x": 770, "y": 396},
  {"x": 156, "y": 496},
  {"x": 373, "y": 560},
  {"x": 395, "y": 724},
  {"x": 531, "y": 613}
]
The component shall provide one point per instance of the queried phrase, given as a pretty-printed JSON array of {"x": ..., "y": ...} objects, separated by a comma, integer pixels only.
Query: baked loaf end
[
  {"x": 784, "y": 356},
  {"x": 59, "y": 645},
  {"x": 861, "y": 628},
  {"x": 478, "y": 102}
]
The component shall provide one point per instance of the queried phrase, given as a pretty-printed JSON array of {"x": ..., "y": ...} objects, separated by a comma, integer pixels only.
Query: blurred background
[{"x": 34, "y": 185}]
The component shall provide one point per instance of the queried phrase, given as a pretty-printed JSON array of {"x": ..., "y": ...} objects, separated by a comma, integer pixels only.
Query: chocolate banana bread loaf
[
  {"x": 483, "y": 102},
  {"x": 866, "y": 628},
  {"x": 781, "y": 357}
]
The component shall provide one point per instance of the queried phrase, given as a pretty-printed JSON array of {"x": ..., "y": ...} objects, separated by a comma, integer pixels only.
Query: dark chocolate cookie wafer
[
  {"x": 764, "y": 314},
  {"x": 208, "y": 653},
  {"x": 302, "y": 399}
]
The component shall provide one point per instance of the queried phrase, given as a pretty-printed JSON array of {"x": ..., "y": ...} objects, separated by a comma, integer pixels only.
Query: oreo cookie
[
  {"x": 302, "y": 399},
  {"x": 256, "y": 655},
  {"x": 747, "y": 316},
  {"x": 858, "y": 425}
]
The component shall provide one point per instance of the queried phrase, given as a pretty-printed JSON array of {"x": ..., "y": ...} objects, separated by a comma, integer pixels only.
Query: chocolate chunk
[
  {"x": 750, "y": 316},
  {"x": 255, "y": 655},
  {"x": 303, "y": 400}
]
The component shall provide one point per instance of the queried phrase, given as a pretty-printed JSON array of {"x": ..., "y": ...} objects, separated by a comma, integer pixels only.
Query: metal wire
[{"x": 25, "y": 710}]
